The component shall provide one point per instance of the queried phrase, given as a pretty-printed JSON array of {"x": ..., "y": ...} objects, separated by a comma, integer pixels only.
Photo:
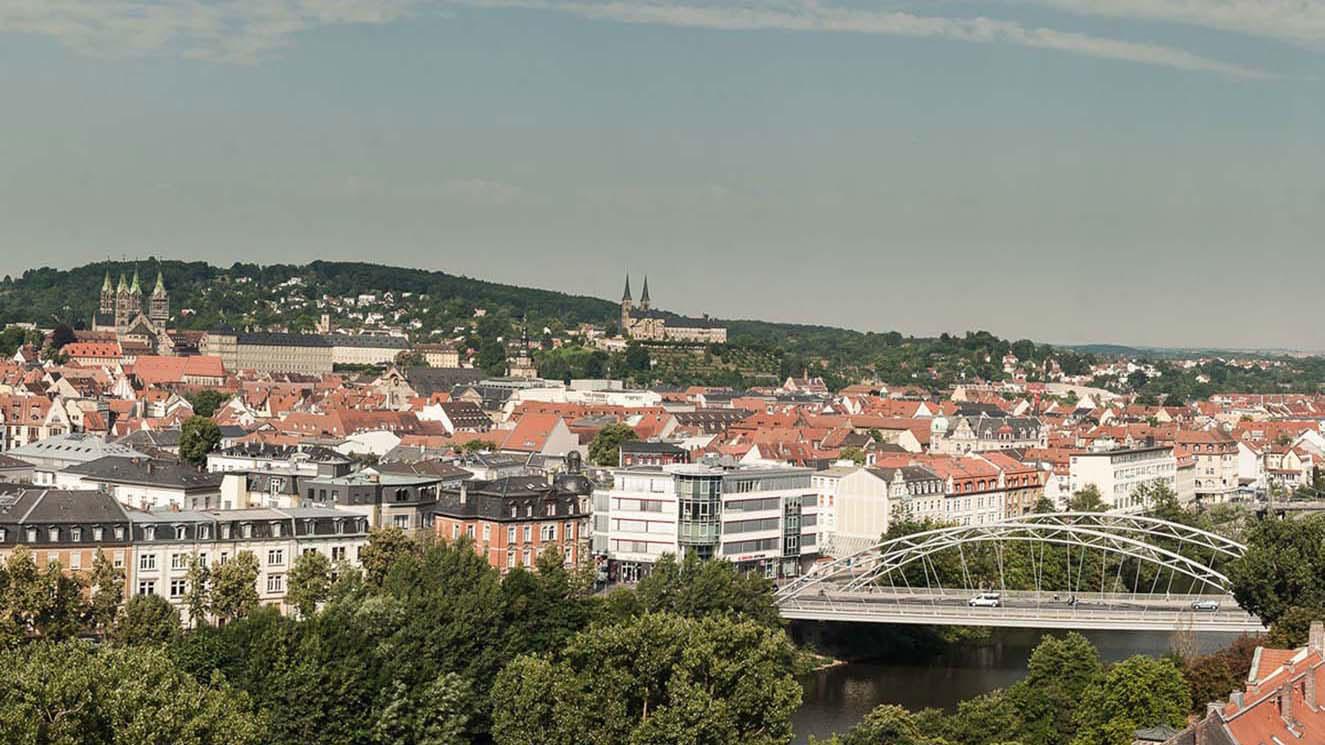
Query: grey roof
[
  {"x": 429, "y": 380},
  {"x": 79, "y": 447},
  {"x": 13, "y": 464},
  {"x": 273, "y": 339},
  {"x": 436, "y": 468},
  {"x": 368, "y": 341},
  {"x": 160, "y": 473},
  {"x": 22, "y": 504},
  {"x": 645, "y": 446},
  {"x": 164, "y": 438}
]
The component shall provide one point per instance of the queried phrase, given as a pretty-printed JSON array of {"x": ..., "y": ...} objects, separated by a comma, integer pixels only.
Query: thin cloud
[
  {"x": 812, "y": 16},
  {"x": 246, "y": 30},
  {"x": 1297, "y": 21}
]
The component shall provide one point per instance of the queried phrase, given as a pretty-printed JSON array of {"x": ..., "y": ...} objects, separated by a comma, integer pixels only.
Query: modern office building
[{"x": 761, "y": 518}]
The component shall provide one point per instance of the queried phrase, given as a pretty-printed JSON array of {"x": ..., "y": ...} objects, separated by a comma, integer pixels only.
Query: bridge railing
[{"x": 1044, "y": 596}]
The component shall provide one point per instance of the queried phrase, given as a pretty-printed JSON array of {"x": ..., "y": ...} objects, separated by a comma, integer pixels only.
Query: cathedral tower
[
  {"x": 159, "y": 304},
  {"x": 627, "y": 304},
  {"x": 107, "y": 305}
]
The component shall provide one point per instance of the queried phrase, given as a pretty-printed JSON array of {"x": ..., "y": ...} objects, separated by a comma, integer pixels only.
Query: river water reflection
[{"x": 838, "y": 698}]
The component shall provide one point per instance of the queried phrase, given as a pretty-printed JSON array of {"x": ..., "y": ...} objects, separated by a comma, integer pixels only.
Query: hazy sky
[{"x": 1134, "y": 171}]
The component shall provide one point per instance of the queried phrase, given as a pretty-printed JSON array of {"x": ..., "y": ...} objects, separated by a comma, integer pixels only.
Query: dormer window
[
  {"x": 275, "y": 530},
  {"x": 204, "y": 532},
  {"x": 97, "y": 533},
  {"x": 246, "y": 530},
  {"x": 150, "y": 532},
  {"x": 119, "y": 533},
  {"x": 180, "y": 533},
  {"x": 225, "y": 532},
  {"x": 32, "y": 535}
]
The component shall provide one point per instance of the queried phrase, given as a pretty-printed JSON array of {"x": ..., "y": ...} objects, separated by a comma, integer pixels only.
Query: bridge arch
[{"x": 1181, "y": 549}]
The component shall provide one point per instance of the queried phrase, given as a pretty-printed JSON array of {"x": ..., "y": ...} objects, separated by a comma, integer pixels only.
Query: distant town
[{"x": 132, "y": 437}]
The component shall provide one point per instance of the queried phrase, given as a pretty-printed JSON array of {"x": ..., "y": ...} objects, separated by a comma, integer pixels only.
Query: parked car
[
  {"x": 986, "y": 600},
  {"x": 1205, "y": 605}
]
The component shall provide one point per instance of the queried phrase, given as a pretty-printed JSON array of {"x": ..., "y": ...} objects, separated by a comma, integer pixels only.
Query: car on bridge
[
  {"x": 986, "y": 600},
  {"x": 1209, "y": 606}
]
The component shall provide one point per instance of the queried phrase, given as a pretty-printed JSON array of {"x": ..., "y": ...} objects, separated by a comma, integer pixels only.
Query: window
[
  {"x": 401, "y": 521},
  {"x": 75, "y": 534},
  {"x": 275, "y": 530},
  {"x": 149, "y": 532},
  {"x": 276, "y": 583},
  {"x": 526, "y": 556},
  {"x": 569, "y": 531},
  {"x": 510, "y": 534},
  {"x": 119, "y": 560},
  {"x": 146, "y": 587},
  {"x": 275, "y": 557},
  {"x": 180, "y": 532},
  {"x": 548, "y": 533},
  {"x": 528, "y": 533},
  {"x": 469, "y": 532},
  {"x": 75, "y": 559},
  {"x": 179, "y": 561},
  {"x": 32, "y": 535},
  {"x": 529, "y": 510},
  {"x": 308, "y": 551},
  {"x": 338, "y": 553},
  {"x": 53, "y": 535},
  {"x": 487, "y": 533},
  {"x": 177, "y": 588},
  {"x": 551, "y": 509},
  {"x": 202, "y": 560},
  {"x": 97, "y": 533},
  {"x": 510, "y": 559},
  {"x": 455, "y": 531},
  {"x": 246, "y": 530},
  {"x": 147, "y": 562},
  {"x": 515, "y": 511}
]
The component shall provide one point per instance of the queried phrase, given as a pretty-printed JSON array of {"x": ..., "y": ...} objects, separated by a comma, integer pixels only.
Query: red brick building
[{"x": 513, "y": 520}]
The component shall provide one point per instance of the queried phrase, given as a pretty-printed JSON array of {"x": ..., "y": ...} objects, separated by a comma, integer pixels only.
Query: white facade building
[
  {"x": 760, "y": 518},
  {"x": 1118, "y": 474}
]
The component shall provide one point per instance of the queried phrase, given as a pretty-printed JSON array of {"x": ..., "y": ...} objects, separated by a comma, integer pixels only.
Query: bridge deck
[{"x": 948, "y": 611}]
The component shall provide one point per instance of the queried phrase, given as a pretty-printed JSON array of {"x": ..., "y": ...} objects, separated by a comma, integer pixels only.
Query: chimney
[
  {"x": 464, "y": 493},
  {"x": 1286, "y": 705},
  {"x": 1316, "y": 637}
]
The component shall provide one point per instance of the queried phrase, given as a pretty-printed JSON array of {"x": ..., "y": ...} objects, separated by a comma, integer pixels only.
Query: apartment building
[
  {"x": 164, "y": 543},
  {"x": 761, "y": 518},
  {"x": 1216, "y": 454},
  {"x": 155, "y": 549},
  {"x": 513, "y": 520}
]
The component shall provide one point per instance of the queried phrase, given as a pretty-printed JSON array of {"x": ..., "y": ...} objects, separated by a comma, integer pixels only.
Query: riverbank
[{"x": 938, "y": 675}]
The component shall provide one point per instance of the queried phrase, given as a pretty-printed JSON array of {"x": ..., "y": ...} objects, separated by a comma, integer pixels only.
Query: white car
[
  {"x": 986, "y": 600},
  {"x": 1206, "y": 605}
]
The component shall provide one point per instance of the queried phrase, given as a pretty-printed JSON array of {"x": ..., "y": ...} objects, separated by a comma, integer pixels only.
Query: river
[{"x": 837, "y": 698}]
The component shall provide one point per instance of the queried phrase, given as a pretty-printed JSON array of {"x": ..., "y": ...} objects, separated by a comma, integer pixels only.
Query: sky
[{"x": 1146, "y": 172}]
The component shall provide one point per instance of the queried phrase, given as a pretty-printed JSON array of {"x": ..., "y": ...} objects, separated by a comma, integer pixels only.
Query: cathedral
[
  {"x": 135, "y": 319},
  {"x": 641, "y": 322}
]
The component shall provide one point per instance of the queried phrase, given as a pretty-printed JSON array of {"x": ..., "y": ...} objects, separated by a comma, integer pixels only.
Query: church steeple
[
  {"x": 136, "y": 288},
  {"x": 644, "y": 294},
  {"x": 625, "y": 296},
  {"x": 158, "y": 306},
  {"x": 107, "y": 305}
]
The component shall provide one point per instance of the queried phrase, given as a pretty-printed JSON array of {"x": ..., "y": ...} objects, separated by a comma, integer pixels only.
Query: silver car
[
  {"x": 986, "y": 600},
  {"x": 1209, "y": 606}
]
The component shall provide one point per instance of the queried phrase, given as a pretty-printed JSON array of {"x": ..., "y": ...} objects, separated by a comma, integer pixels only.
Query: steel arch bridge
[{"x": 873, "y": 584}]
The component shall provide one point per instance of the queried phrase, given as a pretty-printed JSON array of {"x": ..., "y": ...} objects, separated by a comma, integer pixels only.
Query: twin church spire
[{"x": 124, "y": 303}]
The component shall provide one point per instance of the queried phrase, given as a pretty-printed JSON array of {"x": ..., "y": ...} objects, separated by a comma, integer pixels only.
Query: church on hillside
[
  {"x": 137, "y": 321},
  {"x": 640, "y": 321}
]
